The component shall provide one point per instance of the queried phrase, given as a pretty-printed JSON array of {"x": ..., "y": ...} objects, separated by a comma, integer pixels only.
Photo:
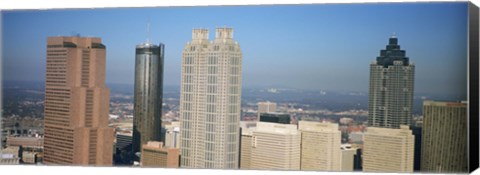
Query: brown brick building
[
  {"x": 76, "y": 103},
  {"x": 155, "y": 155}
]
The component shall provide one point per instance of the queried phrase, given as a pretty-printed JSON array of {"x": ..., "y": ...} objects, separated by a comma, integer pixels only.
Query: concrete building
[
  {"x": 275, "y": 147},
  {"x": 320, "y": 146},
  {"x": 444, "y": 137},
  {"x": 149, "y": 60},
  {"x": 172, "y": 135},
  {"x": 275, "y": 117},
  {"x": 76, "y": 103},
  {"x": 246, "y": 147},
  {"x": 9, "y": 159},
  {"x": 388, "y": 150},
  {"x": 29, "y": 157},
  {"x": 25, "y": 142},
  {"x": 347, "y": 159},
  {"x": 391, "y": 88},
  {"x": 211, "y": 88},
  {"x": 155, "y": 155},
  {"x": 266, "y": 107},
  {"x": 355, "y": 137},
  {"x": 123, "y": 141}
]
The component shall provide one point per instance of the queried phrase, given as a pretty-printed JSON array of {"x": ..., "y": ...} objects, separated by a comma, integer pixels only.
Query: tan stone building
[
  {"x": 275, "y": 147},
  {"x": 266, "y": 107},
  {"x": 30, "y": 142},
  {"x": 211, "y": 88},
  {"x": 444, "y": 137},
  {"x": 172, "y": 135},
  {"x": 388, "y": 150},
  {"x": 29, "y": 157},
  {"x": 155, "y": 155},
  {"x": 76, "y": 103},
  {"x": 320, "y": 146},
  {"x": 348, "y": 153},
  {"x": 246, "y": 148}
]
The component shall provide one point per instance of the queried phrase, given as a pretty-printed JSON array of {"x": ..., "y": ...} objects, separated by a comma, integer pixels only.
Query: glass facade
[{"x": 149, "y": 63}]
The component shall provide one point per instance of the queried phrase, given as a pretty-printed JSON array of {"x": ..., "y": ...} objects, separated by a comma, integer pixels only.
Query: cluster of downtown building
[{"x": 210, "y": 133}]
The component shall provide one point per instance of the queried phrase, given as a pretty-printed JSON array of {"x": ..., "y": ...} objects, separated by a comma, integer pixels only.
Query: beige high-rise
[
  {"x": 266, "y": 107},
  {"x": 348, "y": 154},
  {"x": 320, "y": 146},
  {"x": 246, "y": 148},
  {"x": 275, "y": 147},
  {"x": 388, "y": 150},
  {"x": 444, "y": 137},
  {"x": 76, "y": 103},
  {"x": 211, "y": 88}
]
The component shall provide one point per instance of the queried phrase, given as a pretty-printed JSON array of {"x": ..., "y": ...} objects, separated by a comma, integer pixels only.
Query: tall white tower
[{"x": 210, "y": 100}]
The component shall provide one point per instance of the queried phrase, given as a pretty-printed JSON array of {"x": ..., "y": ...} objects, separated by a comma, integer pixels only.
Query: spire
[{"x": 148, "y": 31}]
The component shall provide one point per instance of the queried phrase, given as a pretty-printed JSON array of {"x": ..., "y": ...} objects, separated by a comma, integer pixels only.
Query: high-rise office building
[
  {"x": 172, "y": 135},
  {"x": 388, "y": 150},
  {"x": 210, "y": 100},
  {"x": 320, "y": 146},
  {"x": 391, "y": 88},
  {"x": 275, "y": 147},
  {"x": 155, "y": 155},
  {"x": 246, "y": 148},
  {"x": 444, "y": 137},
  {"x": 76, "y": 103},
  {"x": 266, "y": 107},
  {"x": 149, "y": 59}
]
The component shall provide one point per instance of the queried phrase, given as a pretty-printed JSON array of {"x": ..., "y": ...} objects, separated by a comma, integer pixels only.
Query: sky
[{"x": 318, "y": 47}]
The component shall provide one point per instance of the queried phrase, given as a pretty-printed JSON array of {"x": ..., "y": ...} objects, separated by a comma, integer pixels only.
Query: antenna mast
[{"x": 148, "y": 31}]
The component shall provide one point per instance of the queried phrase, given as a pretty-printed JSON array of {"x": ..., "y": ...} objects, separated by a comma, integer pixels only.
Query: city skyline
[{"x": 432, "y": 34}]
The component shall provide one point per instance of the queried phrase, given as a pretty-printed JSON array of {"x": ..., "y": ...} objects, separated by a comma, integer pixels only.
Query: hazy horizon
[{"x": 322, "y": 46}]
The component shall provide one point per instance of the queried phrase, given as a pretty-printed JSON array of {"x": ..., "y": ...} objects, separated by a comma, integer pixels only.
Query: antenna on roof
[
  {"x": 394, "y": 35},
  {"x": 148, "y": 30}
]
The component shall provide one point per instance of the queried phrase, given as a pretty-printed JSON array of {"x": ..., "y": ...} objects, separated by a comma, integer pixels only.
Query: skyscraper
[
  {"x": 444, "y": 137},
  {"x": 147, "y": 94},
  {"x": 388, "y": 150},
  {"x": 320, "y": 146},
  {"x": 210, "y": 100},
  {"x": 391, "y": 88},
  {"x": 76, "y": 103}
]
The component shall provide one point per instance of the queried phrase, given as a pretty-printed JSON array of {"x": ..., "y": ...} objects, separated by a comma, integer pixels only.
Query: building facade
[
  {"x": 155, "y": 155},
  {"x": 320, "y": 146},
  {"x": 391, "y": 88},
  {"x": 76, "y": 103},
  {"x": 275, "y": 147},
  {"x": 266, "y": 107},
  {"x": 210, "y": 100},
  {"x": 348, "y": 155},
  {"x": 26, "y": 142},
  {"x": 275, "y": 118},
  {"x": 444, "y": 137},
  {"x": 246, "y": 148},
  {"x": 148, "y": 92},
  {"x": 388, "y": 150}
]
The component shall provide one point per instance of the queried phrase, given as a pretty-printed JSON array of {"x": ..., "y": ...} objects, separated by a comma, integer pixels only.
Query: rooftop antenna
[
  {"x": 394, "y": 35},
  {"x": 148, "y": 30}
]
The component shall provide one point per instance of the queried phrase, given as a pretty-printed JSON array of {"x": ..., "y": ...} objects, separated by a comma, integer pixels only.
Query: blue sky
[{"x": 324, "y": 46}]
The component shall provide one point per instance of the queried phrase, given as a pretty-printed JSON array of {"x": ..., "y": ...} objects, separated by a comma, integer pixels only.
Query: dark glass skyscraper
[
  {"x": 147, "y": 94},
  {"x": 391, "y": 88}
]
